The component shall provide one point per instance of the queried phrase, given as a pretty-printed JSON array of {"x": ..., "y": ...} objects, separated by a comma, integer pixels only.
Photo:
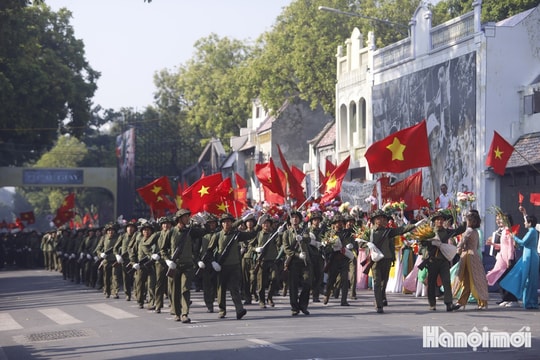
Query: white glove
[
  {"x": 136, "y": 266},
  {"x": 119, "y": 259},
  {"x": 89, "y": 257},
  {"x": 72, "y": 256},
  {"x": 281, "y": 229},
  {"x": 95, "y": 258},
  {"x": 247, "y": 216},
  {"x": 421, "y": 222},
  {"x": 315, "y": 243},
  {"x": 298, "y": 237},
  {"x": 81, "y": 256},
  {"x": 103, "y": 255},
  {"x": 216, "y": 266},
  {"x": 58, "y": 253},
  {"x": 302, "y": 255},
  {"x": 259, "y": 249},
  {"x": 29, "y": 250},
  {"x": 348, "y": 253},
  {"x": 312, "y": 236},
  {"x": 262, "y": 219},
  {"x": 155, "y": 257},
  {"x": 66, "y": 255},
  {"x": 349, "y": 246},
  {"x": 337, "y": 245},
  {"x": 171, "y": 264},
  {"x": 436, "y": 242},
  {"x": 201, "y": 264}
]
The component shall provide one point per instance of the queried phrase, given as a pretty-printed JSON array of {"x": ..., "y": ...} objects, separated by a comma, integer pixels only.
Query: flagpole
[
  {"x": 432, "y": 185},
  {"x": 528, "y": 162}
]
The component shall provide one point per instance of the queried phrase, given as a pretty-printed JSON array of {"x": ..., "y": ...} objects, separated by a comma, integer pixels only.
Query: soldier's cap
[
  {"x": 267, "y": 217},
  {"x": 211, "y": 218},
  {"x": 439, "y": 214},
  {"x": 378, "y": 213},
  {"x": 181, "y": 213},
  {"x": 337, "y": 218},
  {"x": 315, "y": 215},
  {"x": 146, "y": 225},
  {"x": 110, "y": 226},
  {"x": 297, "y": 213},
  {"x": 349, "y": 217},
  {"x": 225, "y": 217},
  {"x": 132, "y": 222},
  {"x": 164, "y": 219}
]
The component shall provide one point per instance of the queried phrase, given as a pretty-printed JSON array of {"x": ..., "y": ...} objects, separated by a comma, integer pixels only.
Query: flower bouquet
[{"x": 424, "y": 232}]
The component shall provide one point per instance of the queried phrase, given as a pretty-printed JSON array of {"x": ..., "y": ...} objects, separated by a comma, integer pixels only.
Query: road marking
[
  {"x": 111, "y": 311},
  {"x": 269, "y": 344},
  {"x": 59, "y": 316},
  {"x": 8, "y": 323}
]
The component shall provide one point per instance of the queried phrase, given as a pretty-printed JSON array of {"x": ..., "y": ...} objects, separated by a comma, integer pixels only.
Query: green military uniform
[
  {"x": 299, "y": 265},
  {"x": 267, "y": 270},
  {"x": 125, "y": 245},
  {"x": 160, "y": 265},
  {"x": 145, "y": 277},
  {"x": 316, "y": 232},
  {"x": 226, "y": 242},
  {"x": 249, "y": 283},
  {"x": 104, "y": 249},
  {"x": 209, "y": 277}
]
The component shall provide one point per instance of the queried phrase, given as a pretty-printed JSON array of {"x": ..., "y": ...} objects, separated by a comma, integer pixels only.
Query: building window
[{"x": 532, "y": 103}]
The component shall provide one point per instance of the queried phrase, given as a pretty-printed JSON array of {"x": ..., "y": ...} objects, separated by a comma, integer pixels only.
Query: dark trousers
[
  {"x": 381, "y": 272},
  {"x": 300, "y": 276},
  {"x": 229, "y": 279},
  {"x": 436, "y": 268}
]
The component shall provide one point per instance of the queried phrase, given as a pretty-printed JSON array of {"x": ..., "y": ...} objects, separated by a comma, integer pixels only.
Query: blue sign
[{"x": 53, "y": 177}]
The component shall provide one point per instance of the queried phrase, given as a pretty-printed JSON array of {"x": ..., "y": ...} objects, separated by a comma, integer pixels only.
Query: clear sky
[{"x": 129, "y": 40}]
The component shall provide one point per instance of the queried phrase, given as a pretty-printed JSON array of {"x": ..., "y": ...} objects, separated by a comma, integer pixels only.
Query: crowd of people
[{"x": 309, "y": 256}]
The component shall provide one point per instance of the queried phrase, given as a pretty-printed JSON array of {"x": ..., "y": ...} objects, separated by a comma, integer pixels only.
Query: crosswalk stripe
[
  {"x": 8, "y": 323},
  {"x": 111, "y": 311},
  {"x": 59, "y": 316}
]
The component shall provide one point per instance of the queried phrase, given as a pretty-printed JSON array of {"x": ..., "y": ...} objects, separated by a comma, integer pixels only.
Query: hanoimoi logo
[{"x": 437, "y": 336}]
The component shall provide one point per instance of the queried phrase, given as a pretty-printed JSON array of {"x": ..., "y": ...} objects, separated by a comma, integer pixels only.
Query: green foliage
[
  {"x": 492, "y": 10},
  {"x": 45, "y": 81}
]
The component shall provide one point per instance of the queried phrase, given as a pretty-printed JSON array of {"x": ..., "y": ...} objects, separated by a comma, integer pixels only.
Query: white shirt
[{"x": 444, "y": 200}]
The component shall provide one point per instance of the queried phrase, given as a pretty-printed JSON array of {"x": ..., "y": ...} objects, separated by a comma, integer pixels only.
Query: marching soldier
[
  {"x": 87, "y": 248},
  {"x": 126, "y": 243},
  {"x": 338, "y": 259},
  {"x": 105, "y": 250},
  {"x": 145, "y": 278},
  {"x": 267, "y": 249},
  {"x": 228, "y": 264},
  {"x": 249, "y": 288},
  {"x": 316, "y": 231},
  {"x": 161, "y": 268},
  {"x": 208, "y": 275},
  {"x": 297, "y": 264},
  {"x": 383, "y": 238}
]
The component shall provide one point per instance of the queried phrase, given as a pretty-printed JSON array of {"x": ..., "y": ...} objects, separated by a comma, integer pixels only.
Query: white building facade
[{"x": 466, "y": 79}]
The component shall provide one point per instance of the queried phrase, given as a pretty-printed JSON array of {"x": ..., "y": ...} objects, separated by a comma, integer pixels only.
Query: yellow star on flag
[
  {"x": 179, "y": 201},
  {"x": 204, "y": 190},
  {"x": 331, "y": 183},
  {"x": 156, "y": 189},
  {"x": 498, "y": 153},
  {"x": 159, "y": 198},
  {"x": 222, "y": 207},
  {"x": 397, "y": 149}
]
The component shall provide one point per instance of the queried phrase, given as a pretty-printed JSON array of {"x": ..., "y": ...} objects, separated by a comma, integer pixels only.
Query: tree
[
  {"x": 297, "y": 57},
  {"x": 492, "y": 10},
  {"x": 45, "y": 81}
]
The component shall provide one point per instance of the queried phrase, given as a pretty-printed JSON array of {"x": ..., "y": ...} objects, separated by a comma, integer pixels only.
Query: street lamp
[{"x": 336, "y": 11}]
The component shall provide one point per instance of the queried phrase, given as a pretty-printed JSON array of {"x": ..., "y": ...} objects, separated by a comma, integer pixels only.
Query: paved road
[{"x": 45, "y": 317}]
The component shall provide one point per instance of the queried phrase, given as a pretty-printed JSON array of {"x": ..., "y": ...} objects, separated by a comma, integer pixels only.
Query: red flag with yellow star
[
  {"x": 202, "y": 191},
  {"x": 155, "y": 194},
  {"x": 333, "y": 182},
  {"x": 403, "y": 150},
  {"x": 499, "y": 154}
]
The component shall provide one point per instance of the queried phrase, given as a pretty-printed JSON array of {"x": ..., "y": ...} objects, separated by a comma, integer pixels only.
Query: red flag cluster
[{"x": 66, "y": 211}]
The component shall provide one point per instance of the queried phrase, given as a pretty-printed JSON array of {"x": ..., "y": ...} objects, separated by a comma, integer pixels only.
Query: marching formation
[{"x": 313, "y": 256}]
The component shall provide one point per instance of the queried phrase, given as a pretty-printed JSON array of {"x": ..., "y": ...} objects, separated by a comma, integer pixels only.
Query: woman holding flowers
[
  {"x": 522, "y": 280},
  {"x": 471, "y": 277}
]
